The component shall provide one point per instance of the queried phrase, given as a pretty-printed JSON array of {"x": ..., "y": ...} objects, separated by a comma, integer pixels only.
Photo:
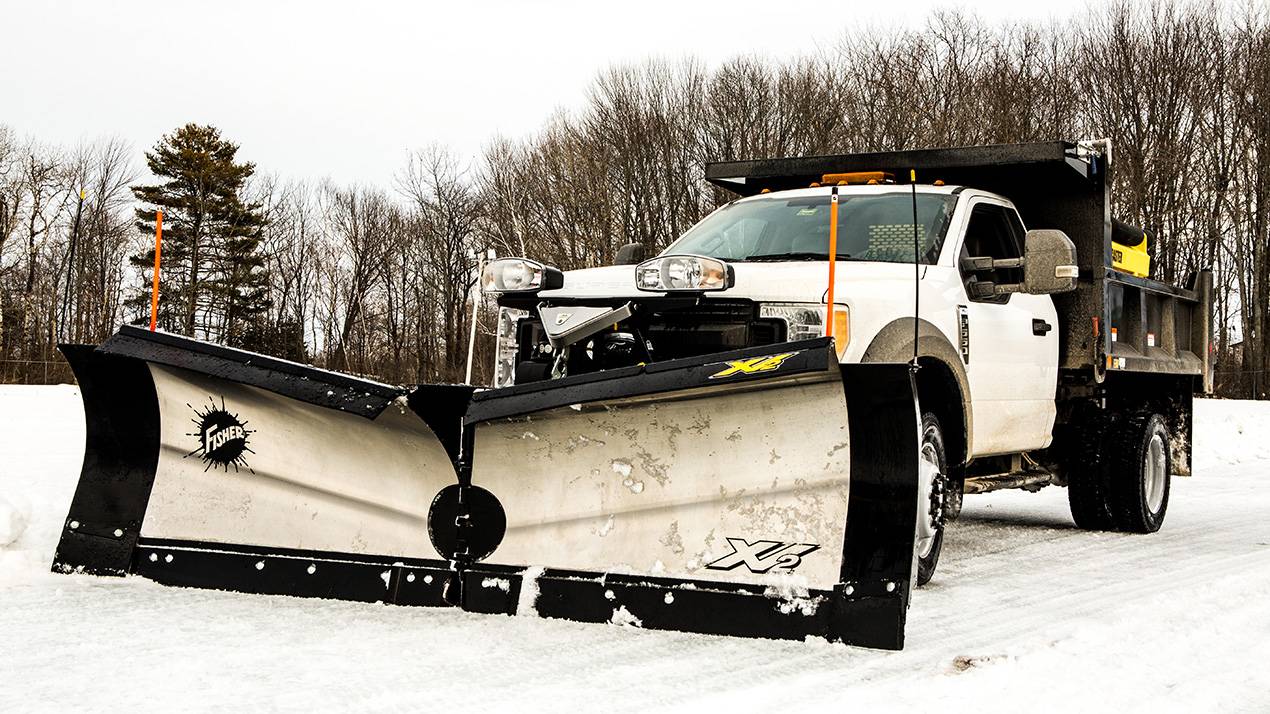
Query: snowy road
[{"x": 1026, "y": 614}]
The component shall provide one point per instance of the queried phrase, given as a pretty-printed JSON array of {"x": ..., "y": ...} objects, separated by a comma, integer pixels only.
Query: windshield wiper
[{"x": 774, "y": 257}]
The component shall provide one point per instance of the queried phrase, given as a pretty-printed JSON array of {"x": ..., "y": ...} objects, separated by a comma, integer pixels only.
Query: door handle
[{"x": 1040, "y": 327}]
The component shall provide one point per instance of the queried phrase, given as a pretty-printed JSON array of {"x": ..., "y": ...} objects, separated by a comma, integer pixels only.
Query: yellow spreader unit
[{"x": 1129, "y": 253}]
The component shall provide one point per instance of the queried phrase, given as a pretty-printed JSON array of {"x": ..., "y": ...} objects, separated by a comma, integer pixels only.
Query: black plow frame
[{"x": 867, "y": 607}]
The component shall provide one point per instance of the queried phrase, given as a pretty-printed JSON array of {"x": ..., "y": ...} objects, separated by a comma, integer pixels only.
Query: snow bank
[
  {"x": 1230, "y": 431},
  {"x": 41, "y": 446},
  {"x": 15, "y": 513}
]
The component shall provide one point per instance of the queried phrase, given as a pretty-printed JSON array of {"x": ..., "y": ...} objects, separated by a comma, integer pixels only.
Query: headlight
[
  {"x": 506, "y": 346},
  {"x": 683, "y": 272},
  {"x": 520, "y": 275},
  {"x": 805, "y": 321}
]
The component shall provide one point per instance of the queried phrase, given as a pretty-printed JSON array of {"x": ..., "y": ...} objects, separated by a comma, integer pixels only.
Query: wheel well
[
  {"x": 937, "y": 392},
  {"x": 1167, "y": 395}
]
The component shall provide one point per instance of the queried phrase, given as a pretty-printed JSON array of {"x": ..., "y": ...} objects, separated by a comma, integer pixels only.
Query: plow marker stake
[{"x": 158, "y": 257}]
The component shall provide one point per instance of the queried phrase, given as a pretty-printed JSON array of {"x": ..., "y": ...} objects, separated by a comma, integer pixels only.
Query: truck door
[{"x": 1013, "y": 339}]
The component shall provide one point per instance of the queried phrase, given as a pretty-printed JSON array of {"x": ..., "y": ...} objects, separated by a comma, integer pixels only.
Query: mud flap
[
  {"x": 768, "y": 492},
  {"x": 213, "y": 467}
]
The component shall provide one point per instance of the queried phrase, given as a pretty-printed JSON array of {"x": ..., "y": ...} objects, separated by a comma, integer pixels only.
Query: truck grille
[{"x": 712, "y": 326}]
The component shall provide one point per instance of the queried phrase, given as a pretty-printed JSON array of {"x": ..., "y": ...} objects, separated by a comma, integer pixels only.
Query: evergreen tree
[{"x": 213, "y": 280}]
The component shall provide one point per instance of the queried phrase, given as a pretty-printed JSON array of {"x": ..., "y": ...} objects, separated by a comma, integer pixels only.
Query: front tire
[{"x": 932, "y": 508}]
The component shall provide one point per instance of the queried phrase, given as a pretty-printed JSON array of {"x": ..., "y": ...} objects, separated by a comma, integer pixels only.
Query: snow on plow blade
[{"x": 768, "y": 492}]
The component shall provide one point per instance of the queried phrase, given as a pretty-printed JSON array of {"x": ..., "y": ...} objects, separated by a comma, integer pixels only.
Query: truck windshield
[{"x": 874, "y": 227}]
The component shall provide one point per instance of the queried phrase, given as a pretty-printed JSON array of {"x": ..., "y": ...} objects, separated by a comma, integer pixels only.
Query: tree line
[{"x": 379, "y": 280}]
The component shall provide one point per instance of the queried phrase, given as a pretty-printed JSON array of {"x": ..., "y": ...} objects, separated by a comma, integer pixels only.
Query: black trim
[
  {"x": 303, "y": 383},
  {"x": 882, "y": 505},
  {"x": 286, "y": 571},
  {"x": 641, "y": 302},
  {"x": 703, "y": 606},
  {"x": 441, "y": 407},
  {"x": 1155, "y": 286},
  {"x": 811, "y": 356},
  {"x": 121, "y": 453},
  {"x": 978, "y": 166}
]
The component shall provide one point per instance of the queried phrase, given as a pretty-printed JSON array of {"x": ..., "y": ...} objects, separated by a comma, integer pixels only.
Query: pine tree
[{"x": 213, "y": 280}]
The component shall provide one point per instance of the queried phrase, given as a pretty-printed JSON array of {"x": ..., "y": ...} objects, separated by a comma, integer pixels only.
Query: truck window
[
  {"x": 871, "y": 227},
  {"x": 993, "y": 231}
]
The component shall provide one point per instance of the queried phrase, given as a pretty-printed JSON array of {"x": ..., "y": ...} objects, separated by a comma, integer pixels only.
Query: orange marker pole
[
  {"x": 833, "y": 259},
  {"x": 158, "y": 253}
]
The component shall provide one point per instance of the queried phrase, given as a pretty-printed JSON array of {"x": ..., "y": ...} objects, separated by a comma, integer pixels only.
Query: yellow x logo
[{"x": 752, "y": 365}]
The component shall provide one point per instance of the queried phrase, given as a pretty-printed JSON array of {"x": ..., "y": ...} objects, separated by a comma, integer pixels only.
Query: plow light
[
  {"x": 857, "y": 177},
  {"x": 684, "y": 272},
  {"x": 520, "y": 275}
]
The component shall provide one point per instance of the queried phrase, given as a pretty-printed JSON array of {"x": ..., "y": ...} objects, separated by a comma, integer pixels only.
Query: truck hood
[{"x": 794, "y": 281}]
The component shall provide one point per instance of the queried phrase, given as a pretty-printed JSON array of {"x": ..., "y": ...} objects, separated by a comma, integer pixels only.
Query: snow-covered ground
[{"x": 1026, "y": 614}]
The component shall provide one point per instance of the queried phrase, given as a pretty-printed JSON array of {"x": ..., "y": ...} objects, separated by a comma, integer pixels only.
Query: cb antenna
[
  {"x": 833, "y": 255},
  {"x": 917, "y": 269}
]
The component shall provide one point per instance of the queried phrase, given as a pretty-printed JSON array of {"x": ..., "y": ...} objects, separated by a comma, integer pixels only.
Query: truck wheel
[
  {"x": 1138, "y": 473},
  {"x": 1087, "y": 489},
  {"x": 956, "y": 495},
  {"x": 932, "y": 506}
]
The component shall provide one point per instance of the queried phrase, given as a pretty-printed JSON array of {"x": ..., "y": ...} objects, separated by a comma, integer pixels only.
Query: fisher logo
[
  {"x": 753, "y": 365},
  {"x": 763, "y": 556},
  {"x": 222, "y": 437}
]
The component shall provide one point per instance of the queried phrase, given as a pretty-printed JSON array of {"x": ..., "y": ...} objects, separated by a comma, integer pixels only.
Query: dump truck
[{"x": 765, "y": 430}]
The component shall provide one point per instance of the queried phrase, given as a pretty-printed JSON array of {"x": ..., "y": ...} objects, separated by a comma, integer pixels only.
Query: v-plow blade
[{"x": 769, "y": 492}]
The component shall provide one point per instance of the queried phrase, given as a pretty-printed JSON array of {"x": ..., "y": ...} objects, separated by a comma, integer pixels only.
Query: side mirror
[
  {"x": 630, "y": 254},
  {"x": 1049, "y": 263}
]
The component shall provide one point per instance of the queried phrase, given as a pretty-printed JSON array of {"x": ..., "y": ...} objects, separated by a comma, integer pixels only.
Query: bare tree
[{"x": 445, "y": 213}]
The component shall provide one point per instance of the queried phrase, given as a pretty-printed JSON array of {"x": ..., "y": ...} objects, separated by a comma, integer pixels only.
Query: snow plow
[{"x": 629, "y": 496}]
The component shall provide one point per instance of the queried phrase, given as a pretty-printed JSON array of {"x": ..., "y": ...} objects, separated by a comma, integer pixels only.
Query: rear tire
[
  {"x": 1138, "y": 473},
  {"x": 1118, "y": 476},
  {"x": 931, "y": 521},
  {"x": 1087, "y": 489}
]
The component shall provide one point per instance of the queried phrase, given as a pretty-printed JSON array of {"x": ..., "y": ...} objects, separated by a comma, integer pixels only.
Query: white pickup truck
[{"x": 1039, "y": 358}]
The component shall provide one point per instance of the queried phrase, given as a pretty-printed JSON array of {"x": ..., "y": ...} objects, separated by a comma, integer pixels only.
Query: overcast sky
[{"x": 344, "y": 89}]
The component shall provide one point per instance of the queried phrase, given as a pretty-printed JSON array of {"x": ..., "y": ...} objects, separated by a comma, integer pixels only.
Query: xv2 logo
[
  {"x": 222, "y": 437},
  {"x": 753, "y": 365},
  {"x": 763, "y": 556}
]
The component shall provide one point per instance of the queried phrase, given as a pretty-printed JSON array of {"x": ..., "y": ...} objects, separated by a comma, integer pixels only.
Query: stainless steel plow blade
[
  {"x": 206, "y": 466},
  {"x": 768, "y": 492}
]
